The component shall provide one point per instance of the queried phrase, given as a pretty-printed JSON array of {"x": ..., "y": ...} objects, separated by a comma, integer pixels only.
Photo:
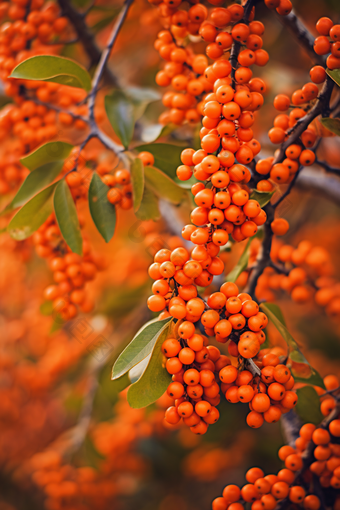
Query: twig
[
  {"x": 330, "y": 169},
  {"x": 318, "y": 182},
  {"x": 321, "y": 106},
  {"x": 305, "y": 38},
  {"x": 264, "y": 259},
  {"x": 102, "y": 64},
  {"x": 289, "y": 189},
  {"x": 86, "y": 38}
]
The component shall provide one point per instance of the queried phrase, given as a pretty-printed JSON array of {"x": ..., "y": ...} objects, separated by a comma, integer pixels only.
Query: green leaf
[
  {"x": 32, "y": 215},
  {"x": 50, "y": 152},
  {"x": 67, "y": 218},
  {"x": 263, "y": 197},
  {"x": 274, "y": 314},
  {"x": 240, "y": 266},
  {"x": 52, "y": 68},
  {"x": 139, "y": 347},
  {"x": 163, "y": 185},
  {"x": 335, "y": 75},
  {"x": 154, "y": 380},
  {"x": 120, "y": 112},
  {"x": 331, "y": 124},
  {"x": 103, "y": 213},
  {"x": 137, "y": 180},
  {"x": 155, "y": 131},
  {"x": 141, "y": 97},
  {"x": 308, "y": 405},
  {"x": 186, "y": 184},
  {"x": 167, "y": 156},
  {"x": 46, "y": 308},
  {"x": 148, "y": 209},
  {"x": 34, "y": 182}
]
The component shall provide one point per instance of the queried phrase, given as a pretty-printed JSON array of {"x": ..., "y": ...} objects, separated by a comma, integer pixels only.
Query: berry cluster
[
  {"x": 70, "y": 271},
  {"x": 328, "y": 42},
  {"x": 223, "y": 203},
  {"x": 316, "y": 452}
]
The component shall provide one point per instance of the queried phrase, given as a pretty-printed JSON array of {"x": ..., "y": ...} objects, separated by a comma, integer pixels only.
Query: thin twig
[
  {"x": 102, "y": 64},
  {"x": 330, "y": 169}
]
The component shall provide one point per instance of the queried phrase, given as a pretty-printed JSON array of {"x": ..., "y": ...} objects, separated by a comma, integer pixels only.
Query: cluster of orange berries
[
  {"x": 307, "y": 273},
  {"x": 268, "y": 393},
  {"x": 176, "y": 280},
  {"x": 316, "y": 452},
  {"x": 70, "y": 271},
  {"x": 328, "y": 42},
  {"x": 223, "y": 202},
  {"x": 194, "y": 366}
]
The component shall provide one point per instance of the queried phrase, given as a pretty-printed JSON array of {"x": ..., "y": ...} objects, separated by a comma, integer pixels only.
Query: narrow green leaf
[
  {"x": 154, "y": 380},
  {"x": 274, "y": 314},
  {"x": 156, "y": 131},
  {"x": 335, "y": 75},
  {"x": 120, "y": 112},
  {"x": 240, "y": 266},
  {"x": 32, "y": 215},
  {"x": 34, "y": 182},
  {"x": 67, "y": 218},
  {"x": 276, "y": 310},
  {"x": 103, "y": 213},
  {"x": 55, "y": 69},
  {"x": 148, "y": 209},
  {"x": 140, "y": 346},
  {"x": 308, "y": 406},
  {"x": 141, "y": 97},
  {"x": 50, "y": 152},
  {"x": 263, "y": 197},
  {"x": 167, "y": 156},
  {"x": 331, "y": 124},
  {"x": 137, "y": 180},
  {"x": 163, "y": 185}
]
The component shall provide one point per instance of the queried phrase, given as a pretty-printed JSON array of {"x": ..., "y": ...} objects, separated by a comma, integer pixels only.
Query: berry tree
[{"x": 88, "y": 159}]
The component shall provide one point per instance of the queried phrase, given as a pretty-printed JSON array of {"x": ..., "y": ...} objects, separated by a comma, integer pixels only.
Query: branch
[
  {"x": 321, "y": 106},
  {"x": 264, "y": 259},
  {"x": 289, "y": 189},
  {"x": 86, "y": 38},
  {"x": 313, "y": 180},
  {"x": 102, "y": 64},
  {"x": 330, "y": 169},
  {"x": 302, "y": 34}
]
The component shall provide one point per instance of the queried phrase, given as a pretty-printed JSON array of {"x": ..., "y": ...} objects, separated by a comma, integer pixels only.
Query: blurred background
[{"x": 68, "y": 438}]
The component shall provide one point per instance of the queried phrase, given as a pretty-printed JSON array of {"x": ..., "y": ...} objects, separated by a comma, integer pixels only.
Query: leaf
[
  {"x": 67, "y": 218},
  {"x": 120, "y": 112},
  {"x": 55, "y": 69},
  {"x": 332, "y": 125},
  {"x": 102, "y": 212},
  {"x": 139, "y": 347},
  {"x": 186, "y": 184},
  {"x": 50, "y": 152},
  {"x": 240, "y": 266},
  {"x": 154, "y": 380},
  {"x": 274, "y": 314},
  {"x": 46, "y": 308},
  {"x": 34, "y": 182},
  {"x": 167, "y": 156},
  {"x": 141, "y": 98},
  {"x": 308, "y": 405},
  {"x": 335, "y": 75},
  {"x": 32, "y": 215},
  {"x": 148, "y": 209},
  {"x": 162, "y": 185},
  {"x": 137, "y": 180},
  {"x": 263, "y": 197},
  {"x": 155, "y": 131}
]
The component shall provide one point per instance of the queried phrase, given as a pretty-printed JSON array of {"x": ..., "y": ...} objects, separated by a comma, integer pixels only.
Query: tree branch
[
  {"x": 86, "y": 38},
  {"x": 302, "y": 34},
  {"x": 102, "y": 64}
]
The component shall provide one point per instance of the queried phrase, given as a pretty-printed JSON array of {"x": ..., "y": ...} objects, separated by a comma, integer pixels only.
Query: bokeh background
[{"x": 68, "y": 438}]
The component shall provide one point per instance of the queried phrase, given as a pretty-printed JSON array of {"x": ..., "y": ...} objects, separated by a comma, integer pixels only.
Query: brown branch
[
  {"x": 86, "y": 37},
  {"x": 302, "y": 34}
]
